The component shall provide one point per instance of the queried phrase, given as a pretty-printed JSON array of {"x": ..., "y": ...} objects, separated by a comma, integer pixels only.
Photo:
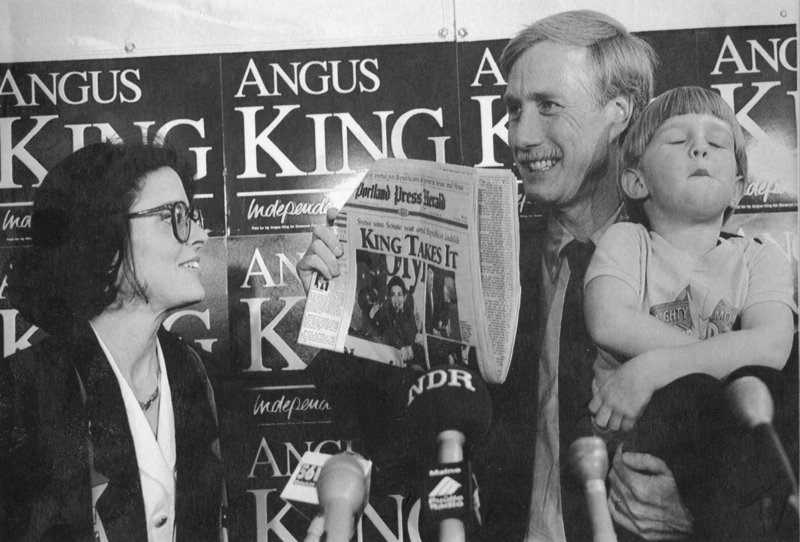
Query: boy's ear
[
  {"x": 633, "y": 185},
  {"x": 620, "y": 111},
  {"x": 738, "y": 191}
]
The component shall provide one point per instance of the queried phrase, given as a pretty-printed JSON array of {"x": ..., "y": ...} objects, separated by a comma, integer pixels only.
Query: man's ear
[
  {"x": 620, "y": 111},
  {"x": 633, "y": 185},
  {"x": 738, "y": 191}
]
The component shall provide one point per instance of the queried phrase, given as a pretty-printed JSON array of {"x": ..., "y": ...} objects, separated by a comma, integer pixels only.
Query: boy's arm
[
  {"x": 617, "y": 325},
  {"x": 765, "y": 339}
]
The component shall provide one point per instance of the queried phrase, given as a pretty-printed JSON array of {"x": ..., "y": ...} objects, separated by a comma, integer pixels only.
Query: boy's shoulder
[
  {"x": 624, "y": 232},
  {"x": 745, "y": 243}
]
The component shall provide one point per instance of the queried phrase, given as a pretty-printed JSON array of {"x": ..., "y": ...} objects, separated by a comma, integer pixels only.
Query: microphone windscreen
[
  {"x": 447, "y": 399},
  {"x": 343, "y": 493},
  {"x": 589, "y": 459},
  {"x": 750, "y": 401}
]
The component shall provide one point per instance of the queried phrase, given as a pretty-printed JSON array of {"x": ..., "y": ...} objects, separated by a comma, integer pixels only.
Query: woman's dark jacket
[{"x": 45, "y": 444}]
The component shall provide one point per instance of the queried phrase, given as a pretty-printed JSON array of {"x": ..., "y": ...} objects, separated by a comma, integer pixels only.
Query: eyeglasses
[{"x": 181, "y": 215}]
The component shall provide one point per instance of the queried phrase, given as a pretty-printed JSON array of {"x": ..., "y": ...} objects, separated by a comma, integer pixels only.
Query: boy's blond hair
[{"x": 673, "y": 103}]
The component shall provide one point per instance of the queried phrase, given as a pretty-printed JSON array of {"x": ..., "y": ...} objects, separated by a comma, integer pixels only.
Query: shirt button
[{"x": 160, "y": 522}]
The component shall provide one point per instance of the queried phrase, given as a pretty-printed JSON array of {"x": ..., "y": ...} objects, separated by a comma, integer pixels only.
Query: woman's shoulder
[
  {"x": 50, "y": 350},
  {"x": 44, "y": 365},
  {"x": 178, "y": 349}
]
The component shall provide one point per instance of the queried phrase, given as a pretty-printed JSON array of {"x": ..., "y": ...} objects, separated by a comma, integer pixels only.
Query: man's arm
[{"x": 643, "y": 498}]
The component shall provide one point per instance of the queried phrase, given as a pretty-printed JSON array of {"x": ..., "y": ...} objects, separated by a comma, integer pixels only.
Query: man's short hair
[
  {"x": 672, "y": 103},
  {"x": 623, "y": 64}
]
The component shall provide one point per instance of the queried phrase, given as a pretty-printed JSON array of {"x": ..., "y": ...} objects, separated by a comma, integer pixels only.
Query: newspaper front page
[{"x": 429, "y": 271}]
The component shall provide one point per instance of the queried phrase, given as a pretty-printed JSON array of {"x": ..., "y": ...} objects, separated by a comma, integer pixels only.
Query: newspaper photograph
[{"x": 421, "y": 284}]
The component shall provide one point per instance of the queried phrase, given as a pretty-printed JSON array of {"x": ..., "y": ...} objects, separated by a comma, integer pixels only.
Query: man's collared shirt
[{"x": 546, "y": 522}]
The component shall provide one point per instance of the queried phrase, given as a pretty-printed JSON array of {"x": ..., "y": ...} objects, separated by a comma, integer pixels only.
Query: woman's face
[
  {"x": 168, "y": 270},
  {"x": 397, "y": 297}
]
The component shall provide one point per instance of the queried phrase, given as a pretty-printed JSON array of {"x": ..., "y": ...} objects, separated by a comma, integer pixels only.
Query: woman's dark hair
[
  {"x": 81, "y": 234},
  {"x": 397, "y": 281}
]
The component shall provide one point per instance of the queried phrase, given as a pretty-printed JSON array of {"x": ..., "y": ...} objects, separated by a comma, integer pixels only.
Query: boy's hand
[
  {"x": 321, "y": 255},
  {"x": 621, "y": 399}
]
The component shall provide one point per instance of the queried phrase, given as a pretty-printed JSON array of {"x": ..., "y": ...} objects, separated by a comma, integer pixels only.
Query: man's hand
[
  {"x": 644, "y": 498},
  {"x": 321, "y": 255}
]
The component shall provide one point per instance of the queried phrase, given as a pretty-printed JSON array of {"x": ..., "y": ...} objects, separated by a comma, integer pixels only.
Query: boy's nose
[{"x": 699, "y": 152}]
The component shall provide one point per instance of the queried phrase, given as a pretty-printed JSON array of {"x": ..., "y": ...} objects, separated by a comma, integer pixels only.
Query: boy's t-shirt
[{"x": 701, "y": 296}]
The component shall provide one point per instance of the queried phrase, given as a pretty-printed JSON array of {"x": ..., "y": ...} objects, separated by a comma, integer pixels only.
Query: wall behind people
[{"x": 281, "y": 125}]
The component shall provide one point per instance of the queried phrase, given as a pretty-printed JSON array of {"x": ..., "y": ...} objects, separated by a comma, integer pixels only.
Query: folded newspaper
[{"x": 430, "y": 272}]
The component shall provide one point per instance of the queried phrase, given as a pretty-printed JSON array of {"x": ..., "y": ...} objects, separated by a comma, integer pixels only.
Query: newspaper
[{"x": 430, "y": 271}]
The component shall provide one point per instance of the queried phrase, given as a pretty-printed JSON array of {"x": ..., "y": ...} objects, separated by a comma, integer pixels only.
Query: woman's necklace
[{"x": 147, "y": 404}]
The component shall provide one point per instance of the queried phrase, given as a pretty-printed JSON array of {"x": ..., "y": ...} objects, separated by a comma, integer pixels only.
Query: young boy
[{"x": 667, "y": 297}]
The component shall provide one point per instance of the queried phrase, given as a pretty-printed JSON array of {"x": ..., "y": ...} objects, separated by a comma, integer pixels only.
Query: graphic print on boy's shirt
[{"x": 679, "y": 314}]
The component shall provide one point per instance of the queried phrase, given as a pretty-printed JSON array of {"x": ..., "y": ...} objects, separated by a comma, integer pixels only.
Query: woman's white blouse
[{"x": 155, "y": 457}]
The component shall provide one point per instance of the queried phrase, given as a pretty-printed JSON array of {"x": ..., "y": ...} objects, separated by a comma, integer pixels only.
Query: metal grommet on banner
[
  {"x": 130, "y": 47},
  {"x": 462, "y": 32},
  {"x": 443, "y": 32}
]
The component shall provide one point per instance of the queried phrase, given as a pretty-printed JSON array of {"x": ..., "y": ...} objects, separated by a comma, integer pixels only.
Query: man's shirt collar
[{"x": 557, "y": 237}]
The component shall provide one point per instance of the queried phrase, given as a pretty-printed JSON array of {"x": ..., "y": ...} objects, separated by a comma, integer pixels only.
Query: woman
[
  {"x": 398, "y": 324},
  {"x": 107, "y": 426}
]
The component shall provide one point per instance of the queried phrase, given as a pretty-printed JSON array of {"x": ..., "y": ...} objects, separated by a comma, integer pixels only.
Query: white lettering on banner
[
  {"x": 742, "y": 115},
  {"x": 258, "y": 268},
  {"x": 288, "y": 406},
  {"x": 13, "y": 222},
  {"x": 9, "y": 150},
  {"x": 774, "y": 57},
  {"x": 490, "y": 130},
  {"x": 257, "y": 333},
  {"x": 488, "y": 66},
  {"x": 67, "y": 88},
  {"x": 282, "y": 209},
  {"x": 10, "y": 342},
  {"x": 204, "y": 317},
  {"x": 266, "y": 524},
  {"x": 314, "y": 77},
  {"x": 391, "y": 140},
  {"x": 765, "y": 189},
  {"x": 265, "y": 457}
]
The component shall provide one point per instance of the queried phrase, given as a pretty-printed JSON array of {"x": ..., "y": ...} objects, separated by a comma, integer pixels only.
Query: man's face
[{"x": 556, "y": 130}]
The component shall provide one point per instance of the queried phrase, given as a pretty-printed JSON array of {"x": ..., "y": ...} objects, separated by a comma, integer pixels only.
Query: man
[{"x": 576, "y": 80}]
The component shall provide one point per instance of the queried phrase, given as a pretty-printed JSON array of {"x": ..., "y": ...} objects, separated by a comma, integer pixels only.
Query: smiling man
[{"x": 576, "y": 81}]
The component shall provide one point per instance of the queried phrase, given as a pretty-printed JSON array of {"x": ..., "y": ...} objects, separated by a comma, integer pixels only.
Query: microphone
[
  {"x": 342, "y": 489},
  {"x": 589, "y": 461},
  {"x": 333, "y": 490},
  {"x": 751, "y": 403},
  {"x": 448, "y": 410}
]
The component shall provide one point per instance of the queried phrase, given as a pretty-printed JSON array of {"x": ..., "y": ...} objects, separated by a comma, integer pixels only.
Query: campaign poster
[
  {"x": 50, "y": 109},
  {"x": 302, "y": 127}
]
